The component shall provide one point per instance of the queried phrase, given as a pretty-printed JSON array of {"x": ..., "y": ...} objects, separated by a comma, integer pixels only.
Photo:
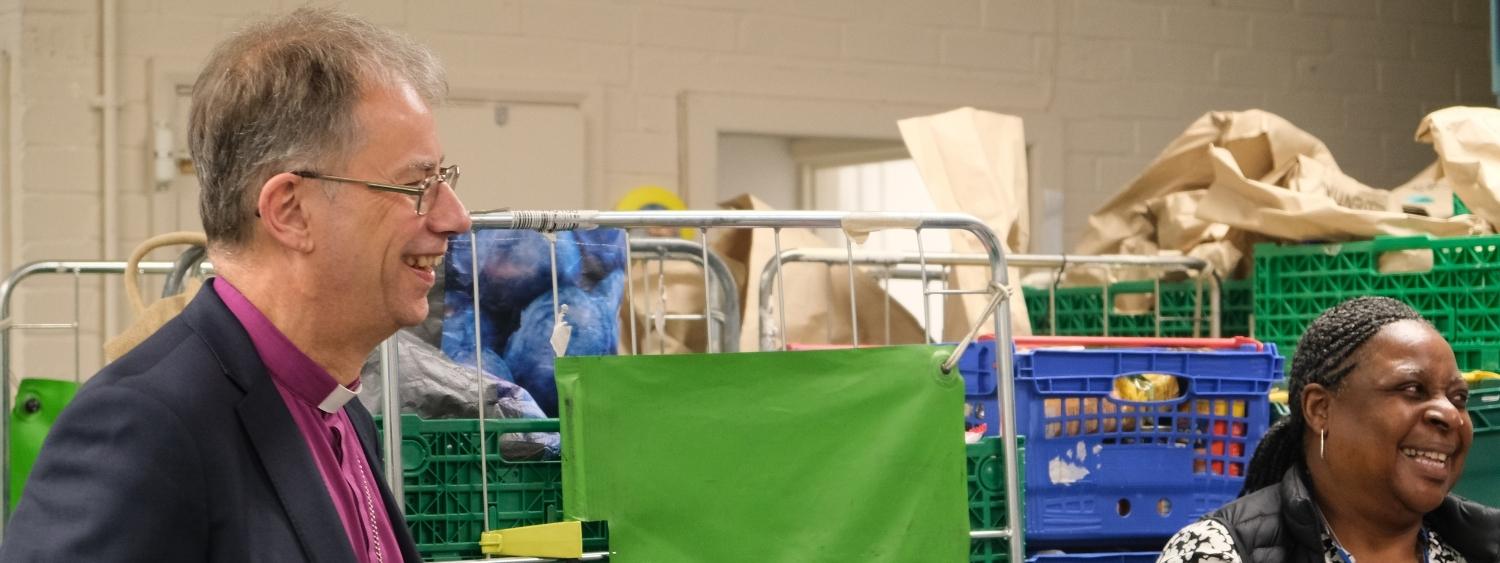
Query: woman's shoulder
[
  {"x": 1204, "y": 541},
  {"x": 1439, "y": 551}
]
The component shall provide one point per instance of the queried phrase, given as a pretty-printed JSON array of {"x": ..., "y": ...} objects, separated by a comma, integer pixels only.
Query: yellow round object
[{"x": 653, "y": 198}]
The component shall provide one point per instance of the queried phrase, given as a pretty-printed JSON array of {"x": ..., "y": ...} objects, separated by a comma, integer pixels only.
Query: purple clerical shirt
[{"x": 316, "y": 402}]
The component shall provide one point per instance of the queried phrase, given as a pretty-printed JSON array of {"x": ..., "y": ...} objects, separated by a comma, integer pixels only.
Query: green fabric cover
[{"x": 836, "y": 455}]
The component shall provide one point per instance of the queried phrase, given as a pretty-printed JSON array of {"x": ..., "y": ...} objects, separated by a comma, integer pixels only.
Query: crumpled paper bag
[
  {"x": 1314, "y": 201},
  {"x": 1467, "y": 141},
  {"x": 974, "y": 162},
  {"x": 1259, "y": 143},
  {"x": 1251, "y": 176}
]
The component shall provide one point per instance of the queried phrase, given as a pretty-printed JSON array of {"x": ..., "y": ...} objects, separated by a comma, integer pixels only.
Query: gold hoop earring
[{"x": 1322, "y": 443}]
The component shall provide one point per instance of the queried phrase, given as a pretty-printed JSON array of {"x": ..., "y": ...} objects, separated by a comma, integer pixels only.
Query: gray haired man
[{"x": 229, "y": 435}]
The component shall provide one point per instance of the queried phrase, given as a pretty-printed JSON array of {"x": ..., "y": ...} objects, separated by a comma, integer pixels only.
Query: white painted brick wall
[
  {"x": 882, "y": 42},
  {"x": 687, "y": 29},
  {"x": 1025, "y": 16},
  {"x": 1408, "y": 12},
  {"x": 1346, "y": 8},
  {"x": 1334, "y": 74},
  {"x": 1291, "y": 32},
  {"x": 1122, "y": 77},
  {"x": 1109, "y": 18},
  {"x": 989, "y": 50},
  {"x": 1089, "y": 59},
  {"x": 1172, "y": 62},
  {"x": 1206, "y": 25},
  {"x": 788, "y": 36},
  {"x": 593, "y": 22},
  {"x": 1100, "y": 136}
]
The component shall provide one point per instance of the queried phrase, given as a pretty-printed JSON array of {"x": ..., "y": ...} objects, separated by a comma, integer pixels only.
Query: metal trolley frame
[
  {"x": 77, "y": 269},
  {"x": 853, "y": 224},
  {"x": 770, "y": 333}
]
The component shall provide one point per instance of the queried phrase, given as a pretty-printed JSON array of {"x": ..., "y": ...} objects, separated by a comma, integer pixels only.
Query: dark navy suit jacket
[{"x": 183, "y": 451}]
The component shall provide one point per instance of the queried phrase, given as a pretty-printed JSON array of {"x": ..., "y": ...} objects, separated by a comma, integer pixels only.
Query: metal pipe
[
  {"x": 853, "y": 308},
  {"x": 926, "y": 299},
  {"x": 728, "y": 293},
  {"x": 635, "y": 343},
  {"x": 708, "y": 300},
  {"x": 189, "y": 260},
  {"x": 1005, "y": 391},
  {"x": 834, "y": 256},
  {"x": 395, "y": 477},
  {"x": 390, "y": 380},
  {"x": 780, "y": 297},
  {"x": 109, "y": 158},
  {"x": 1000, "y": 295},
  {"x": 7, "y": 290}
]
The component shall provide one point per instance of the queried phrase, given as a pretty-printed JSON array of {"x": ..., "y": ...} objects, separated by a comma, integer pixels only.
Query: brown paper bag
[
  {"x": 1177, "y": 224},
  {"x": 817, "y": 297},
  {"x": 1306, "y": 206},
  {"x": 974, "y": 162},
  {"x": 676, "y": 289},
  {"x": 1467, "y": 141},
  {"x": 1258, "y": 142},
  {"x": 1425, "y": 194}
]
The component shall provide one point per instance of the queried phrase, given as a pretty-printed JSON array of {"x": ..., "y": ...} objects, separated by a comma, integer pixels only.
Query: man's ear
[
  {"x": 1315, "y": 402},
  {"x": 282, "y": 213}
]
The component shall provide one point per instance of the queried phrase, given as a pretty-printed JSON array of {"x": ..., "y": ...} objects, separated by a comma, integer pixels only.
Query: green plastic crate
[
  {"x": 440, "y": 462},
  {"x": 1481, "y": 479},
  {"x": 1080, "y": 310},
  {"x": 986, "y": 467},
  {"x": 441, "y": 477},
  {"x": 1460, "y": 295}
]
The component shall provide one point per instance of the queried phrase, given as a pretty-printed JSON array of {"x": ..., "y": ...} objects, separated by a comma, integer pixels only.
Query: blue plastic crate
[
  {"x": 1111, "y": 472},
  {"x": 977, "y": 365},
  {"x": 1126, "y": 557}
]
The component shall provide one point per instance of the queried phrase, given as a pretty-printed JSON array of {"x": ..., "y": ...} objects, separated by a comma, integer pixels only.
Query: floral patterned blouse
[{"x": 1207, "y": 541}]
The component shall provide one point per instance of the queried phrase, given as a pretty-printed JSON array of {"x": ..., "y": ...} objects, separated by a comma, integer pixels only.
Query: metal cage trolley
[{"x": 719, "y": 316}]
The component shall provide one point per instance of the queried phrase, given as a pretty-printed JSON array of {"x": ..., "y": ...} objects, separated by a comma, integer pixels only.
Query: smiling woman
[{"x": 1361, "y": 468}]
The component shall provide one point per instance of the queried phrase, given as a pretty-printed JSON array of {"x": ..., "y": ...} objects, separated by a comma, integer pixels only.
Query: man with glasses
[{"x": 230, "y": 435}]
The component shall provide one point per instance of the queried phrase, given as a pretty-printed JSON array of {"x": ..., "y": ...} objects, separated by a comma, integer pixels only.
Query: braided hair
[{"x": 1325, "y": 354}]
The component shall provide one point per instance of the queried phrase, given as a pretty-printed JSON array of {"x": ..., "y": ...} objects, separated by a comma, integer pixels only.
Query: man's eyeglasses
[{"x": 418, "y": 190}]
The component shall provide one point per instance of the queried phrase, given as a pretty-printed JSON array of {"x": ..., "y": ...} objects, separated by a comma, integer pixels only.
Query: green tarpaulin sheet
[{"x": 837, "y": 455}]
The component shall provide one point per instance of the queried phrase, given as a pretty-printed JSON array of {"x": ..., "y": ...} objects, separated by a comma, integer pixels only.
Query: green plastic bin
[
  {"x": 38, "y": 402},
  {"x": 444, "y": 496},
  {"x": 987, "y": 496},
  {"x": 1080, "y": 309},
  {"x": 1460, "y": 295},
  {"x": 445, "y": 509},
  {"x": 1481, "y": 478}
]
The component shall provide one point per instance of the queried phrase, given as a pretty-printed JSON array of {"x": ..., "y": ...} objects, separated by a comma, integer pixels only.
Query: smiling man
[{"x": 230, "y": 435}]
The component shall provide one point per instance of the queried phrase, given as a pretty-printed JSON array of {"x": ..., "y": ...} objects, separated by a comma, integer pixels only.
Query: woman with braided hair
[{"x": 1361, "y": 468}]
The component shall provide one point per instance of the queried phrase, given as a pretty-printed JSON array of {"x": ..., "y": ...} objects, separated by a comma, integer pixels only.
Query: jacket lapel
[
  {"x": 364, "y": 426},
  {"x": 274, "y": 435},
  {"x": 299, "y": 485}
]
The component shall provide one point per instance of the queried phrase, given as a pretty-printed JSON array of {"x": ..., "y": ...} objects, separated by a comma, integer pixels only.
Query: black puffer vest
[{"x": 1280, "y": 525}]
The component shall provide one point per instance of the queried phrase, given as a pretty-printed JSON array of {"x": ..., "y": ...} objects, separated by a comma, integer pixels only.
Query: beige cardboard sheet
[{"x": 974, "y": 162}]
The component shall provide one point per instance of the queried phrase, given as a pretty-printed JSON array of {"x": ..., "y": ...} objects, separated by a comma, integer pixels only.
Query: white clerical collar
[{"x": 336, "y": 399}]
